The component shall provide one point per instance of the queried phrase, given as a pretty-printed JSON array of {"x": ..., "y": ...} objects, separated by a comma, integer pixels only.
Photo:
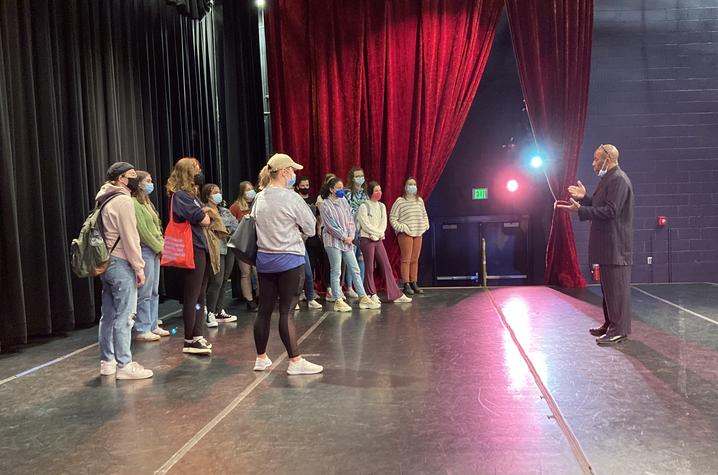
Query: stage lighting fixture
[
  {"x": 536, "y": 161},
  {"x": 260, "y": 3},
  {"x": 512, "y": 185}
]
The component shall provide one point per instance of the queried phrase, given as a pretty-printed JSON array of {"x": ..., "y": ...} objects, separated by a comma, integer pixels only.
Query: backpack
[{"x": 89, "y": 256}]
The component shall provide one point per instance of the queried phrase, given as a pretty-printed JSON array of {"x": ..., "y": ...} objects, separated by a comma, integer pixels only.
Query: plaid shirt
[{"x": 338, "y": 223}]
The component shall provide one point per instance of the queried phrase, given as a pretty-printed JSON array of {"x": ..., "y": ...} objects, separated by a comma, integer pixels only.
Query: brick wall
[{"x": 654, "y": 94}]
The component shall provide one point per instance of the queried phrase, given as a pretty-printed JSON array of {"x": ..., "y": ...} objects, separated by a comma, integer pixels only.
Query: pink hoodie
[{"x": 119, "y": 220}]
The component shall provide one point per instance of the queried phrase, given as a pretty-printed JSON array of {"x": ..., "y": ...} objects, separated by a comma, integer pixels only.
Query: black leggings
[
  {"x": 195, "y": 293},
  {"x": 287, "y": 286}
]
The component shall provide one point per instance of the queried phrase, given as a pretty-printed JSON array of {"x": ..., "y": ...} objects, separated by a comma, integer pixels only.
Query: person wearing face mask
[
  {"x": 610, "y": 241},
  {"x": 222, "y": 225},
  {"x": 282, "y": 218},
  {"x": 338, "y": 236},
  {"x": 410, "y": 222},
  {"x": 183, "y": 188},
  {"x": 309, "y": 294},
  {"x": 371, "y": 219},
  {"x": 323, "y": 268},
  {"x": 241, "y": 208},
  {"x": 124, "y": 275},
  {"x": 355, "y": 194},
  {"x": 150, "y": 230}
]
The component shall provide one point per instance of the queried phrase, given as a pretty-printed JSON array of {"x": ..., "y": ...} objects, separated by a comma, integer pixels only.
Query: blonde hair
[
  {"x": 182, "y": 176},
  {"x": 241, "y": 200},
  {"x": 264, "y": 177}
]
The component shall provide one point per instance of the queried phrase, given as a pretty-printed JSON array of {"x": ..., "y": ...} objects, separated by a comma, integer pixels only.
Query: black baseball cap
[{"x": 117, "y": 169}]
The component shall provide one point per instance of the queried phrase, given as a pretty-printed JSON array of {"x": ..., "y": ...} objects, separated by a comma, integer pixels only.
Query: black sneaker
[
  {"x": 224, "y": 317},
  {"x": 407, "y": 289},
  {"x": 416, "y": 289},
  {"x": 198, "y": 347},
  {"x": 252, "y": 306},
  {"x": 606, "y": 340}
]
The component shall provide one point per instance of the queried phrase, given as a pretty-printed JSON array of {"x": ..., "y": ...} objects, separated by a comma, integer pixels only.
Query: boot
[
  {"x": 416, "y": 289},
  {"x": 407, "y": 289},
  {"x": 252, "y": 306}
]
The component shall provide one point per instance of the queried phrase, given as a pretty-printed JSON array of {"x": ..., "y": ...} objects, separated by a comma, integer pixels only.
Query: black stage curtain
[{"x": 84, "y": 84}]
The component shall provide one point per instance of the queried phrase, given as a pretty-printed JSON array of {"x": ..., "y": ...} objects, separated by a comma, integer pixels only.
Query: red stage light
[
  {"x": 512, "y": 185},
  {"x": 661, "y": 221}
]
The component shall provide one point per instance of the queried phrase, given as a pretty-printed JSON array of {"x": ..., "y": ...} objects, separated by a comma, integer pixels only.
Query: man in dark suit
[{"x": 610, "y": 243}]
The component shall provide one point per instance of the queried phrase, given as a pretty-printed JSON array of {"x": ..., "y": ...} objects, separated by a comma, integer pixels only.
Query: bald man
[{"x": 610, "y": 242}]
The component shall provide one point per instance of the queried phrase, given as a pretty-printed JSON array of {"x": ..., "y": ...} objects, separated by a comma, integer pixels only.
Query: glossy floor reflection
[{"x": 437, "y": 386}]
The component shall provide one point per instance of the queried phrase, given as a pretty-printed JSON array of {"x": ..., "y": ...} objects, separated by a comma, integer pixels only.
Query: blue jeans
[
  {"x": 308, "y": 278},
  {"x": 349, "y": 278},
  {"x": 148, "y": 296},
  {"x": 119, "y": 305},
  {"x": 335, "y": 262}
]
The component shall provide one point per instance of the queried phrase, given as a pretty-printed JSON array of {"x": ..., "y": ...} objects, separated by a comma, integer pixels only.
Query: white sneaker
[
  {"x": 303, "y": 297},
  {"x": 375, "y": 298},
  {"x": 303, "y": 367},
  {"x": 134, "y": 370},
  {"x": 161, "y": 332},
  {"x": 403, "y": 299},
  {"x": 147, "y": 336},
  {"x": 313, "y": 304},
  {"x": 108, "y": 368},
  {"x": 368, "y": 304},
  {"x": 211, "y": 320},
  {"x": 330, "y": 296},
  {"x": 160, "y": 322},
  {"x": 351, "y": 294},
  {"x": 262, "y": 363},
  {"x": 297, "y": 307},
  {"x": 341, "y": 306}
]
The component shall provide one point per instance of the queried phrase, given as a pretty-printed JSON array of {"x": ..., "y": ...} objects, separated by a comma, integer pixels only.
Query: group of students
[{"x": 342, "y": 228}]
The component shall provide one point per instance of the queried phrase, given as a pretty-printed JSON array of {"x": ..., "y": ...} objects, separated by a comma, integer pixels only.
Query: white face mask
[{"x": 602, "y": 172}]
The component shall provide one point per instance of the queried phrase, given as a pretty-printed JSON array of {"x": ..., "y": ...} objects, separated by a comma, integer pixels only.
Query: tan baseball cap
[{"x": 280, "y": 161}]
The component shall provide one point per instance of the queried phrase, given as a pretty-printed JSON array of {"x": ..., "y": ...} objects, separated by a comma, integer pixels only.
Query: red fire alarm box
[{"x": 661, "y": 221}]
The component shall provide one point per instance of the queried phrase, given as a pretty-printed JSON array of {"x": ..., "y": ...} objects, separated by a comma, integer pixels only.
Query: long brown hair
[
  {"x": 241, "y": 200},
  {"x": 350, "y": 179},
  {"x": 182, "y": 176},
  {"x": 206, "y": 193},
  {"x": 140, "y": 192}
]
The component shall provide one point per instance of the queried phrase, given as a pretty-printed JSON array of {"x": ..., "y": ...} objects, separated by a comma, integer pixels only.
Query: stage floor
[{"x": 500, "y": 381}]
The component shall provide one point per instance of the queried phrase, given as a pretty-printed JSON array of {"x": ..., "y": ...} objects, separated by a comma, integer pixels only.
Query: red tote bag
[{"x": 178, "y": 250}]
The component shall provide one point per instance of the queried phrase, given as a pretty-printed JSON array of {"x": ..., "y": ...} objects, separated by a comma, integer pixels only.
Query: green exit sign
[{"x": 481, "y": 193}]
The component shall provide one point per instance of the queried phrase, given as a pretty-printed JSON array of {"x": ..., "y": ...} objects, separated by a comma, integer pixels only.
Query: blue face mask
[
  {"x": 217, "y": 198},
  {"x": 339, "y": 193},
  {"x": 411, "y": 189},
  {"x": 149, "y": 188},
  {"x": 359, "y": 180},
  {"x": 292, "y": 180},
  {"x": 250, "y": 195}
]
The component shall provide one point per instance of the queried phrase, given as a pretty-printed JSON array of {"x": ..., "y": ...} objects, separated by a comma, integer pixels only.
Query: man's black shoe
[{"x": 598, "y": 331}]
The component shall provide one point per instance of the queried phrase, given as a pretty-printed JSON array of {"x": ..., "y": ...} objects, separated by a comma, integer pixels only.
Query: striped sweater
[
  {"x": 338, "y": 223},
  {"x": 409, "y": 217}
]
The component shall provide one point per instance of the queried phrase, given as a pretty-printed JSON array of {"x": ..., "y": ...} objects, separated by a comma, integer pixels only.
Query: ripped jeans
[{"x": 119, "y": 306}]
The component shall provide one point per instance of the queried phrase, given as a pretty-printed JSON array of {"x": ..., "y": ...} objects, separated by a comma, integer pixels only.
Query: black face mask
[
  {"x": 304, "y": 191},
  {"x": 199, "y": 179},
  {"x": 133, "y": 184}
]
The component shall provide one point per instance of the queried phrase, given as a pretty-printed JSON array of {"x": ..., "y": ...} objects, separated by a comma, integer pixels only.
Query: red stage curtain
[
  {"x": 382, "y": 84},
  {"x": 552, "y": 41}
]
